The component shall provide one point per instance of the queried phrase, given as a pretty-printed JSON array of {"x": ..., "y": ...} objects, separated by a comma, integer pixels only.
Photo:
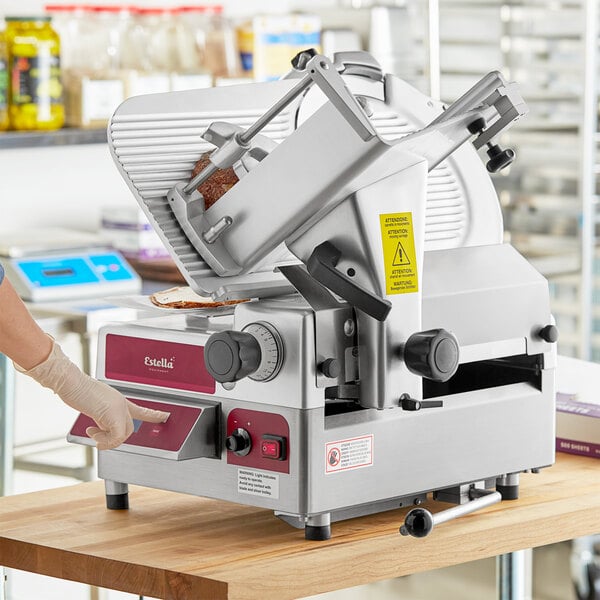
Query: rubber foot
[
  {"x": 508, "y": 492},
  {"x": 117, "y": 501},
  {"x": 317, "y": 533}
]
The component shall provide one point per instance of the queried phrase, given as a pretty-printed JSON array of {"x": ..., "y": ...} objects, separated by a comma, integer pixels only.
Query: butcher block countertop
[{"x": 172, "y": 546}]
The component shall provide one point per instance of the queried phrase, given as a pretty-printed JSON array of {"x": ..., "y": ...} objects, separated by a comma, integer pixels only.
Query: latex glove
[{"x": 111, "y": 411}]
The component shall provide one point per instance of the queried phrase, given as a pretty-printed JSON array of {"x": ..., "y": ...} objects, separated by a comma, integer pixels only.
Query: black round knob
[
  {"x": 549, "y": 333},
  {"x": 418, "y": 523},
  {"x": 331, "y": 368},
  {"x": 299, "y": 61},
  {"x": 476, "y": 126},
  {"x": 231, "y": 355},
  {"x": 433, "y": 354},
  {"x": 239, "y": 442},
  {"x": 499, "y": 159}
]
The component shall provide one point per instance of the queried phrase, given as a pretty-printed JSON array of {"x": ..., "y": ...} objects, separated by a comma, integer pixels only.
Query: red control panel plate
[
  {"x": 167, "y": 436},
  {"x": 262, "y": 427},
  {"x": 157, "y": 362}
]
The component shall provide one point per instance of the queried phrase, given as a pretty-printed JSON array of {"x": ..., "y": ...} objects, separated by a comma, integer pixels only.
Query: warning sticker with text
[
  {"x": 258, "y": 483},
  {"x": 353, "y": 453},
  {"x": 399, "y": 254}
]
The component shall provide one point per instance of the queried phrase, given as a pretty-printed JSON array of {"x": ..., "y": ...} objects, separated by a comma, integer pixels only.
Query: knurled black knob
[
  {"x": 433, "y": 354},
  {"x": 499, "y": 159},
  {"x": 231, "y": 355},
  {"x": 239, "y": 442}
]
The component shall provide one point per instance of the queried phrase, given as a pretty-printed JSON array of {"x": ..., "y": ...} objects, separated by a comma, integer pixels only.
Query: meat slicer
[{"x": 393, "y": 346}]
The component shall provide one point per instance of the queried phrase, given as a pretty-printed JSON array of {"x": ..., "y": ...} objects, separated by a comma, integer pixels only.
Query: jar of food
[
  {"x": 148, "y": 51},
  {"x": 187, "y": 35},
  {"x": 35, "y": 89},
  {"x": 3, "y": 83},
  {"x": 68, "y": 21},
  {"x": 222, "y": 55}
]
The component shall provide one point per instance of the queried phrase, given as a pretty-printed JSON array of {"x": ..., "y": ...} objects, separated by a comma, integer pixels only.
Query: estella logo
[{"x": 165, "y": 363}]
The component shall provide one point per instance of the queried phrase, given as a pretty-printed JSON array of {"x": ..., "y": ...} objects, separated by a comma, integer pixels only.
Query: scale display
[
  {"x": 72, "y": 275},
  {"x": 75, "y": 270}
]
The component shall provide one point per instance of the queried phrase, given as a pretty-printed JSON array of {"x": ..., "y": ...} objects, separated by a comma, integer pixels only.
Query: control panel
[
  {"x": 189, "y": 432},
  {"x": 258, "y": 440}
]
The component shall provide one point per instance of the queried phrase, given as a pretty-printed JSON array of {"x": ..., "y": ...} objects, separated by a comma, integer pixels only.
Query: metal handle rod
[
  {"x": 419, "y": 522},
  {"x": 242, "y": 139},
  {"x": 267, "y": 117},
  {"x": 477, "y": 503}
]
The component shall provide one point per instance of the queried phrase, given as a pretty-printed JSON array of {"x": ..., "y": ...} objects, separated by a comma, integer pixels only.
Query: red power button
[{"x": 272, "y": 446}]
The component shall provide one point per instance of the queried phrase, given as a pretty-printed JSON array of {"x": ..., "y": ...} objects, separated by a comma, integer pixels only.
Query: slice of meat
[
  {"x": 185, "y": 297},
  {"x": 217, "y": 184}
]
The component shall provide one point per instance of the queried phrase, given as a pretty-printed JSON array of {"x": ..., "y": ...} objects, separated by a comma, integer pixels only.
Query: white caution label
[
  {"x": 353, "y": 453},
  {"x": 257, "y": 483}
]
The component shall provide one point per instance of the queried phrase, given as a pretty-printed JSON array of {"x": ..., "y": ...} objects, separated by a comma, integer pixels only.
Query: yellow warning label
[{"x": 399, "y": 254}]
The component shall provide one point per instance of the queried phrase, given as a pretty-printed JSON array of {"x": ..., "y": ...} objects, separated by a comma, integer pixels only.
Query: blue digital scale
[{"x": 67, "y": 273}]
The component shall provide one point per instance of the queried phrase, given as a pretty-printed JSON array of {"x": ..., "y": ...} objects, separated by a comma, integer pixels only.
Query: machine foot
[
  {"x": 508, "y": 492},
  {"x": 318, "y": 527},
  {"x": 117, "y": 501},
  {"x": 317, "y": 533},
  {"x": 508, "y": 486}
]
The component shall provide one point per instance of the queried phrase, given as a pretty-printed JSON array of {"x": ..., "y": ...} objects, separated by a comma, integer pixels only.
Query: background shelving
[{"x": 549, "y": 211}]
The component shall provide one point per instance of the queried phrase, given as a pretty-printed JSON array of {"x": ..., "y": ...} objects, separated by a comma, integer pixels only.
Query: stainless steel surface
[
  {"x": 159, "y": 130},
  {"x": 415, "y": 224}
]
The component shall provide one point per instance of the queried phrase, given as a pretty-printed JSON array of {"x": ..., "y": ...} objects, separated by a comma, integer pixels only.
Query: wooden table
[{"x": 174, "y": 546}]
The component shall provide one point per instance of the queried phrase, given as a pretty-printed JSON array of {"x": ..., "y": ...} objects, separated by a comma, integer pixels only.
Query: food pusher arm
[{"x": 319, "y": 70}]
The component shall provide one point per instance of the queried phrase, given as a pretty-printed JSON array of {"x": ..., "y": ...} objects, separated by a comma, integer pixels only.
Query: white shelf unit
[{"x": 549, "y": 196}]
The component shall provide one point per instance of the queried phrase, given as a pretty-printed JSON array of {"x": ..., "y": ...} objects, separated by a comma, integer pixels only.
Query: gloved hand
[{"x": 111, "y": 411}]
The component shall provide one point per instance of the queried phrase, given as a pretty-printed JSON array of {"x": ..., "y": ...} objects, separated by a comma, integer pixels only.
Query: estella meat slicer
[{"x": 394, "y": 346}]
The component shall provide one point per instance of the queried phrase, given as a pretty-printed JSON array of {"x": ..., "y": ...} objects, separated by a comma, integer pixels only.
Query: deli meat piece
[
  {"x": 217, "y": 184},
  {"x": 185, "y": 297}
]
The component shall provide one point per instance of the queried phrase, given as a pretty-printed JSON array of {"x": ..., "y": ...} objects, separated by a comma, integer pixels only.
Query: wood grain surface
[{"x": 179, "y": 547}]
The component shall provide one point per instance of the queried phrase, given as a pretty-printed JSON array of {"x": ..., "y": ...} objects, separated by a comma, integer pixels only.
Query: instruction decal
[
  {"x": 258, "y": 483},
  {"x": 352, "y": 453},
  {"x": 398, "y": 240}
]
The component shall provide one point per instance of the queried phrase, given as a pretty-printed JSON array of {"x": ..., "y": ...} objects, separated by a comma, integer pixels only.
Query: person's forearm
[{"x": 21, "y": 338}]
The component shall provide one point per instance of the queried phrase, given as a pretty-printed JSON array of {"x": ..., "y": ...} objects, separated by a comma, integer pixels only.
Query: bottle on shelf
[
  {"x": 147, "y": 57},
  {"x": 66, "y": 20},
  {"x": 35, "y": 88},
  {"x": 94, "y": 83},
  {"x": 188, "y": 37},
  {"x": 222, "y": 56}
]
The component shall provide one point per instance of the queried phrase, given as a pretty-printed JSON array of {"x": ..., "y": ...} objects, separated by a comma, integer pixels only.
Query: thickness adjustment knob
[
  {"x": 433, "y": 354},
  {"x": 231, "y": 355},
  {"x": 239, "y": 442}
]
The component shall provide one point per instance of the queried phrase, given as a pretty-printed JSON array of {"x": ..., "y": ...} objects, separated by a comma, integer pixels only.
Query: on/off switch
[{"x": 273, "y": 447}]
